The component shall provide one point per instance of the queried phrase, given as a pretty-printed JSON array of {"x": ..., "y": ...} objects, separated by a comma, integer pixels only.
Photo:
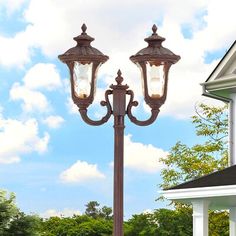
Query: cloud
[
  {"x": 1, "y": 110},
  {"x": 64, "y": 213},
  {"x": 16, "y": 51},
  {"x": 81, "y": 172},
  {"x": 11, "y": 5},
  {"x": 53, "y": 121},
  {"x": 54, "y": 37},
  {"x": 32, "y": 100},
  {"x": 42, "y": 76},
  {"x": 18, "y": 138},
  {"x": 142, "y": 157}
]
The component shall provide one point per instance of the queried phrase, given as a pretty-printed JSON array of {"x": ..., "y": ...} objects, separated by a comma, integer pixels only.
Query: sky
[{"x": 51, "y": 159}]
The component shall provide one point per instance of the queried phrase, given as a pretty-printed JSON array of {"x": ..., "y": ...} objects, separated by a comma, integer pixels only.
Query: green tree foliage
[
  {"x": 92, "y": 209},
  {"x": 12, "y": 221},
  {"x": 142, "y": 224},
  {"x": 78, "y": 225},
  {"x": 219, "y": 223},
  {"x": 8, "y": 210},
  {"x": 162, "y": 222},
  {"x": 24, "y": 225},
  {"x": 185, "y": 163},
  {"x": 174, "y": 222},
  {"x": 95, "y": 222},
  {"x": 106, "y": 212},
  {"x": 208, "y": 156}
]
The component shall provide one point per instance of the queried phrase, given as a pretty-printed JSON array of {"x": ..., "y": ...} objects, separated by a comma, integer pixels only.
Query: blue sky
[{"x": 51, "y": 159}]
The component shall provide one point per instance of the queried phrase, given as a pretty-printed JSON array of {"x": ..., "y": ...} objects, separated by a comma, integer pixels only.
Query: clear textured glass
[
  {"x": 82, "y": 79},
  {"x": 155, "y": 79}
]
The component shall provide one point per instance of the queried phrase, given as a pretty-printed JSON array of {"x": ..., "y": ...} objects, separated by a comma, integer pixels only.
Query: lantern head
[
  {"x": 83, "y": 61},
  {"x": 154, "y": 62}
]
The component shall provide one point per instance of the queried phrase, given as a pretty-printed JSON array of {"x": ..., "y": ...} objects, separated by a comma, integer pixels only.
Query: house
[{"x": 216, "y": 191}]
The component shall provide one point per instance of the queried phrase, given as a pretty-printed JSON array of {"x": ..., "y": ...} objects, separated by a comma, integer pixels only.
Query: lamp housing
[
  {"x": 83, "y": 62},
  {"x": 154, "y": 62}
]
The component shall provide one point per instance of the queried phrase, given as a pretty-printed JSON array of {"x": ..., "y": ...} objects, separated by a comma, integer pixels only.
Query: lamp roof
[
  {"x": 83, "y": 51},
  {"x": 155, "y": 51}
]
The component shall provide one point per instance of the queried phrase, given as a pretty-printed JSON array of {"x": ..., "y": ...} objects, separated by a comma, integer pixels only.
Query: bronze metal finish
[{"x": 155, "y": 53}]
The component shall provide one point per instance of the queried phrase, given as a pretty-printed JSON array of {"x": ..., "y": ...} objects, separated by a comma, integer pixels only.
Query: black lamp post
[{"x": 84, "y": 61}]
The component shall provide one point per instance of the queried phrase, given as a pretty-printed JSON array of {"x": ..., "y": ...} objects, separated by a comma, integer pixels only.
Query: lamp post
[{"x": 83, "y": 62}]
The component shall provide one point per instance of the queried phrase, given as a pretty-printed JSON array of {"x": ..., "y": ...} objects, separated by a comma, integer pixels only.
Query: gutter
[{"x": 207, "y": 94}]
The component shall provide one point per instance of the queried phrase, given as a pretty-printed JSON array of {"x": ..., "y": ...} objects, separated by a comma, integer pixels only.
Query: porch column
[
  {"x": 232, "y": 221},
  {"x": 200, "y": 217},
  {"x": 232, "y": 130}
]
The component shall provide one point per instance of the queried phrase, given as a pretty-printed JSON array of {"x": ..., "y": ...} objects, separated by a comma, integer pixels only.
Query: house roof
[
  {"x": 223, "y": 177},
  {"x": 223, "y": 61},
  {"x": 221, "y": 83}
]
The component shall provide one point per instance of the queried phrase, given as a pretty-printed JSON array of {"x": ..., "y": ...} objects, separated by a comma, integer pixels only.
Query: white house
[{"x": 216, "y": 191}]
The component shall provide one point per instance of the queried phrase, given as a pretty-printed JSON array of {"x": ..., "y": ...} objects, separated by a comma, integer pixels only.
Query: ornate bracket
[
  {"x": 119, "y": 92},
  {"x": 84, "y": 112},
  {"x": 132, "y": 103}
]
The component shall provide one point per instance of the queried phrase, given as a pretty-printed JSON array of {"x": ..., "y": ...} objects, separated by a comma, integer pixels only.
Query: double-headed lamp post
[{"x": 154, "y": 62}]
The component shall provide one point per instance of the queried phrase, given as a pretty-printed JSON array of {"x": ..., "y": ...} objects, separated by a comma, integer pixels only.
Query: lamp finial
[
  {"x": 84, "y": 28},
  {"x": 154, "y": 29},
  {"x": 119, "y": 78}
]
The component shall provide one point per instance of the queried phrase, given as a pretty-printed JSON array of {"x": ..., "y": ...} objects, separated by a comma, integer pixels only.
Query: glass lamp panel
[
  {"x": 95, "y": 76},
  {"x": 82, "y": 79},
  {"x": 142, "y": 79},
  {"x": 156, "y": 80}
]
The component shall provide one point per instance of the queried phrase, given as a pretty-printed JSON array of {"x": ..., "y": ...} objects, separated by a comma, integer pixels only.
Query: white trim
[
  {"x": 223, "y": 63},
  {"x": 222, "y": 83},
  {"x": 189, "y": 193},
  {"x": 200, "y": 217},
  {"x": 232, "y": 130}
]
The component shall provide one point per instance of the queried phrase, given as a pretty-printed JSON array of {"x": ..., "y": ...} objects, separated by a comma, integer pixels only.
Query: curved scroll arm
[
  {"x": 84, "y": 112},
  {"x": 150, "y": 120}
]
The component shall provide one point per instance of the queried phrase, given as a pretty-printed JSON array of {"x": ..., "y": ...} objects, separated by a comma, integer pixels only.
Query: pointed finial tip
[
  {"x": 84, "y": 28},
  {"x": 119, "y": 78},
  {"x": 154, "y": 29},
  {"x": 119, "y": 72}
]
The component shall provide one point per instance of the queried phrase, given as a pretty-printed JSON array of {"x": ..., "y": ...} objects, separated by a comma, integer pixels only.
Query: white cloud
[
  {"x": 18, "y": 138},
  {"x": 1, "y": 110},
  {"x": 203, "y": 18},
  {"x": 42, "y": 76},
  {"x": 16, "y": 51},
  {"x": 32, "y": 100},
  {"x": 11, "y": 5},
  {"x": 72, "y": 108},
  {"x": 53, "y": 121},
  {"x": 81, "y": 172},
  {"x": 141, "y": 157},
  {"x": 64, "y": 213}
]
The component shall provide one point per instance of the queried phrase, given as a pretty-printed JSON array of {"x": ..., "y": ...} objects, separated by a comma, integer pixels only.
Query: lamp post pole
[
  {"x": 119, "y": 112},
  {"x": 83, "y": 62}
]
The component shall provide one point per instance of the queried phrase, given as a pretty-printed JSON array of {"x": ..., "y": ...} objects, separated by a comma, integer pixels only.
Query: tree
[
  {"x": 13, "y": 222},
  {"x": 94, "y": 222},
  {"x": 141, "y": 225},
  {"x": 204, "y": 158},
  {"x": 24, "y": 225},
  {"x": 92, "y": 209},
  {"x": 8, "y": 210},
  {"x": 106, "y": 213},
  {"x": 174, "y": 222},
  {"x": 185, "y": 163}
]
